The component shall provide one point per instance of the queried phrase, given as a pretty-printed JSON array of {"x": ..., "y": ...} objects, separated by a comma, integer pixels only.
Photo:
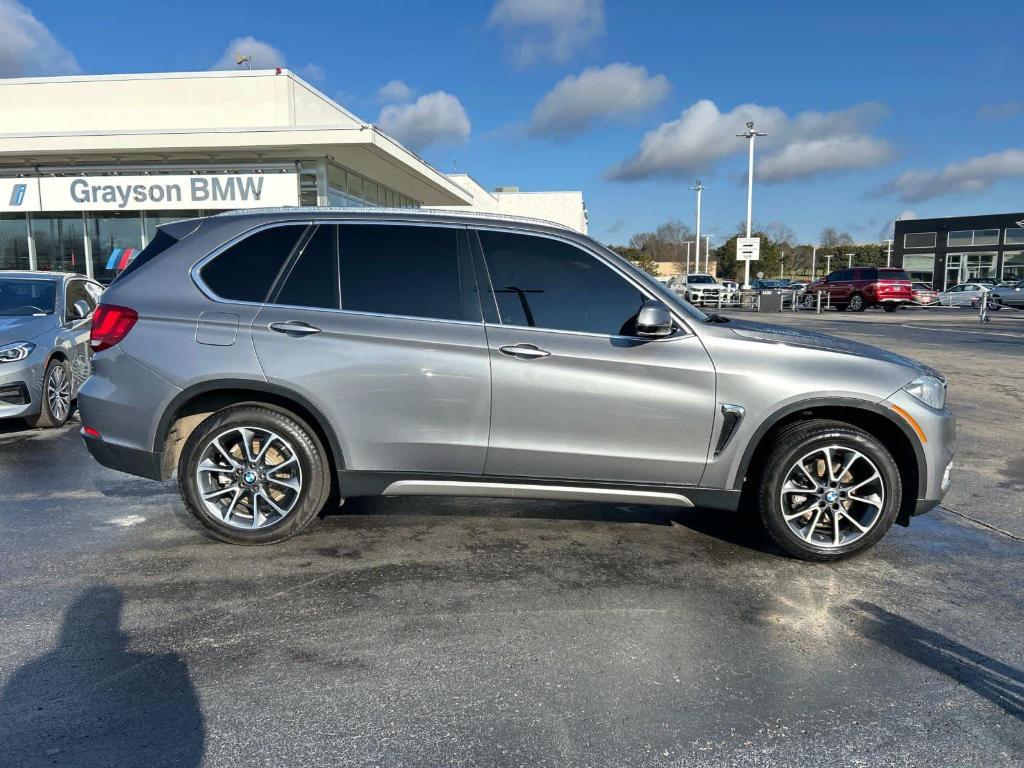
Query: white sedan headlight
[
  {"x": 929, "y": 390},
  {"x": 12, "y": 353}
]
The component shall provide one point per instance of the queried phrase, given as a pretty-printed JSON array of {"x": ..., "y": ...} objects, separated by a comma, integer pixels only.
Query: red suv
[{"x": 863, "y": 287}]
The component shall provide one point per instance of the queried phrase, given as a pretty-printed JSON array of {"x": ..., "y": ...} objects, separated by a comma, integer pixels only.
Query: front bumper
[
  {"x": 21, "y": 386},
  {"x": 938, "y": 447}
]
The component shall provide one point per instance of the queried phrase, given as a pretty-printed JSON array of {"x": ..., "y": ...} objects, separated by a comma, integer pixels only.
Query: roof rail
[{"x": 374, "y": 211}]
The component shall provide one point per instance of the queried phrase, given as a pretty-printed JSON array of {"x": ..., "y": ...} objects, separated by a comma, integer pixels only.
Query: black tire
[
  {"x": 803, "y": 438},
  {"x": 857, "y": 303},
  {"x": 890, "y": 307},
  {"x": 312, "y": 458},
  {"x": 48, "y": 418}
]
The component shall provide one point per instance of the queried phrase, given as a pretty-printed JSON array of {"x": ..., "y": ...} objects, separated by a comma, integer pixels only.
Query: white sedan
[{"x": 963, "y": 295}]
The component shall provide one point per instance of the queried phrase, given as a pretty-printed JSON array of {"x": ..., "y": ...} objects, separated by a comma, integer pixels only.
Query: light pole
[
  {"x": 699, "y": 189},
  {"x": 888, "y": 252},
  {"x": 688, "y": 244},
  {"x": 814, "y": 260},
  {"x": 849, "y": 260},
  {"x": 828, "y": 263},
  {"x": 782, "y": 265},
  {"x": 707, "y": 253},
  {"x": 750, "y": 135}
]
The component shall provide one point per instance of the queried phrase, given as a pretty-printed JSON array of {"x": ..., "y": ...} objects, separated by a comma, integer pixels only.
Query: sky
[{"x": 872, "y": 110}]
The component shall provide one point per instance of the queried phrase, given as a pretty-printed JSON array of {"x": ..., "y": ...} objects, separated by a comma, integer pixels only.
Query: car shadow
[
  {"x": 91, "y": 702},
  {"x": 990, "y": 678},
  {"x": 740, "y": 528}
]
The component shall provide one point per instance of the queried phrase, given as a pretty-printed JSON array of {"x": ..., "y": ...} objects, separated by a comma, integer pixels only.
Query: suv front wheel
[
  {"x": 857, "y": 303},
  {"x": 829, "y": 490},
  {"x": 253, "y": 475}
]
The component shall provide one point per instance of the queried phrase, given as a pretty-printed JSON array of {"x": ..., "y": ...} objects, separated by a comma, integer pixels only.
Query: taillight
[{"x": 110, "y": 324}]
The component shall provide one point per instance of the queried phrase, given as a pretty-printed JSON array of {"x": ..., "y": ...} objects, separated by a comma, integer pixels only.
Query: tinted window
[
  {"x": 246, "y": 270},
  {"x": 27, "y": 297},
  {"x": 313, "y": 281},
  {"x": 919, "y": 240},
  {"x": 868, "y": 274},
  {"x": 892, "y": 274},
  {"x": 160, "y": 243},
  {"x": 550, "y": 284},
  {"x": 400, "y": 270}
]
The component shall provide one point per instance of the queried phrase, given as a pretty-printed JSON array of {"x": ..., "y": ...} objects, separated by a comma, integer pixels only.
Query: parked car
[
  {"x": 798, "y": 287},
  {"x": 730, "y": 285},
  {"x": 966, "y": 295},
  {"x": 769, "y": 285},
  {"x": 700, "y": 289},
  {"x": 44, "y": 344},
  {"x": 924, "y": 294},
  {"x": 271, "y": 359},
  {"x": 858, "y": 288},
  {"x": 1011, "y": 295}
]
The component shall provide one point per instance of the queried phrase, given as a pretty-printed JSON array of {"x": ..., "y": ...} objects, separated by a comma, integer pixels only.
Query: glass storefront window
[
  {"x": 60, "y": 245},
  {"x": 964, "y": 237},
  {"x": 952, "y": 271},
  {"x": 1013, "y": 265},
  {"x": 920, "y": 266},
  {"x": 919, "y": 240},
  {"x": 1014, "y": 236},
  {"x": 110, "y": 234},
  {"x": 964, "y": 267},
  {"x": 986, "y": 237},
  {"x": 13, "y": 241}
]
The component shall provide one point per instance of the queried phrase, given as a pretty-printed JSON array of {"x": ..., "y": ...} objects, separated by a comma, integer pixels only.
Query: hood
[
  {"x": 778, "y": 334},
  {"x": 24, "y": 328}
]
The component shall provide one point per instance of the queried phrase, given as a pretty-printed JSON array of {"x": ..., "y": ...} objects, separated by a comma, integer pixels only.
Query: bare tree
[{"x": 831, "y": 237}]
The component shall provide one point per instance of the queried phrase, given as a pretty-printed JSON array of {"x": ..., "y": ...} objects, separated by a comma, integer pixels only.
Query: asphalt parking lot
[{"x": 468, "y": 633}]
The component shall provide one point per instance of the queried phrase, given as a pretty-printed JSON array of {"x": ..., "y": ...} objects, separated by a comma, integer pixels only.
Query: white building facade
[{"x": 90, "y": 165}]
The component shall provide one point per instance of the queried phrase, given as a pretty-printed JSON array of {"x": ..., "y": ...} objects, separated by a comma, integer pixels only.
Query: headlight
[
  {"x": 12, "y": 353},
  {"x": 929, "y": 390}
]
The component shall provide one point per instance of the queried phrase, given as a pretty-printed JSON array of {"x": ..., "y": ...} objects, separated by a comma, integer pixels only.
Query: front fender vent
[{"x": 732, "y": 415}]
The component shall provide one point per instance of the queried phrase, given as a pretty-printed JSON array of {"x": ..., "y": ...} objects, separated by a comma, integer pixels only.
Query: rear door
[
  {"x": 576, "y": 394},
  {"x": 378, "y": 325}
]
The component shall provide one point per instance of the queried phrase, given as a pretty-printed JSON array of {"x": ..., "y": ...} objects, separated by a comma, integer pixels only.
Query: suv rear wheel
[
  {"x": 253, "y": 475},
  {"x": 857, "y": 303},
  {"x": 829, "y": 490}
]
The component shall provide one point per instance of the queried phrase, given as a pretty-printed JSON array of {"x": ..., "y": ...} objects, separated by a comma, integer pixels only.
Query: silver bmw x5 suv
[{"x": 277, "y": 359}]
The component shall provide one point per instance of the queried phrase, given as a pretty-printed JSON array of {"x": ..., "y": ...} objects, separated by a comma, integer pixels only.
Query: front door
[
  {"x": 576, "y": 394},
  {"x": 387, "y": 342}
]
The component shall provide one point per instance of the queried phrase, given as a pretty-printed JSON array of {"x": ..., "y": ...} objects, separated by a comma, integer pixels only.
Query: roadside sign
[{"x": 748, "y": 248}]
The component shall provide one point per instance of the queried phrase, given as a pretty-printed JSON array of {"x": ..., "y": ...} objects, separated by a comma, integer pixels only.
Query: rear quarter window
[{"x": 246, "y": 270}]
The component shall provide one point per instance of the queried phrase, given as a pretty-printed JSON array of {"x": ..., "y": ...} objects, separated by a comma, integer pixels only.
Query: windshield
[
  {"x": 702, "y": 279},
  {"x": 24, "y": 298}
]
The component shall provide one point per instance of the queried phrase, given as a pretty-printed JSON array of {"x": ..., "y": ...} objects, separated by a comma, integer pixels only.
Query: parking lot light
[{"x": 749, "y": 135}]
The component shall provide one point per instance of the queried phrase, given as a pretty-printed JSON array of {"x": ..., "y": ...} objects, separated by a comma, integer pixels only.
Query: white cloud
[
  {"x": 1003, "y": 111},
  {"x": 434, "y": 118},
  {"x": 971, "y": 176},
  {"x": 886, "y": 232},
  {"x": 803, "y": 159},
  {"x": 27, "y": 47},
  {"x": 612, "y": 92},
  {"x": 264, "y": 55},
  {"x": 394, "y": 92},
  {"x": 548, "y": 29},
  {"x": 313, "y": 72},
  {"x": 807, "y": 144}
]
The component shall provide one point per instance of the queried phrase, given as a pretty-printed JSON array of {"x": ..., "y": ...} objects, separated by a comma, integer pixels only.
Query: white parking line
[{"x": 962, "y": 330}]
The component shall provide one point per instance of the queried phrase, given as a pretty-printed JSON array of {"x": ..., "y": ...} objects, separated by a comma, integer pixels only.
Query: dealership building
[
  {"x": 91, "y": 165},
  {"x": 944, "y": 252}
]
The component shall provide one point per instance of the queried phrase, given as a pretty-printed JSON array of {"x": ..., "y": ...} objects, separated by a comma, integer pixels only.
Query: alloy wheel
[
  {"x": 249, "y": 477},
  {"x": 832, "y": 496},
  {"x": 58, "y": 393},
  {"x": 856, "y": 302}
]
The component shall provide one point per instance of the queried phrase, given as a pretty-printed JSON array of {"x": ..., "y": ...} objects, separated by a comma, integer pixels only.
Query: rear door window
[
  {"x": 412, "y": 271},
  {"x": 313, "y": 279},
  {"x": 545, "y": 283},
  {"x": 247, "y": 270}
]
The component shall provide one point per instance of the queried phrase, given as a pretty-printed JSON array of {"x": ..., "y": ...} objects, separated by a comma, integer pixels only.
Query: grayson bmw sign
[
  {"x": 138, "y": 192},
  {"x": 205, "y": 191}
]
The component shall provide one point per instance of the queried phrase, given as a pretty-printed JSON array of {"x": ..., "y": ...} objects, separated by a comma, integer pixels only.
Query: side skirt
[{"x": 369, "y": 483}]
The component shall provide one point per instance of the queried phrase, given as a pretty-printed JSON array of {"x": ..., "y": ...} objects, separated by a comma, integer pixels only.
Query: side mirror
[
  {"x": 80, "y": 310},
  {"x": 654, "y": 320}
]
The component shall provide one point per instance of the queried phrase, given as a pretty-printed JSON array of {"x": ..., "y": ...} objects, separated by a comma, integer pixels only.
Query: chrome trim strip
[{"x": 526, "y": 491}]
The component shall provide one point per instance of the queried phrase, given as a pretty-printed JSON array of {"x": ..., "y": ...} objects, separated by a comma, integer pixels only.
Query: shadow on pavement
[
  {"x": 90, "y": 702},
  {"x": 1000, "y": 683}
]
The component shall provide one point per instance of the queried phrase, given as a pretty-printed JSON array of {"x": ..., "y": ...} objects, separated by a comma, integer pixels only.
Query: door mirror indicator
[{"x": 654, "y": 320}]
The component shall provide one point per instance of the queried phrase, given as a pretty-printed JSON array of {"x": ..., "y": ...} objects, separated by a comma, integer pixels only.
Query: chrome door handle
[
  {"x": 294, "y": 328},
  {"x": 524, "y": 351}
]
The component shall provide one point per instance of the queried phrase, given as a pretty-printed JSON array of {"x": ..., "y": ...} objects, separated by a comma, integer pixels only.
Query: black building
[{"x": 944, "y": 252}]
